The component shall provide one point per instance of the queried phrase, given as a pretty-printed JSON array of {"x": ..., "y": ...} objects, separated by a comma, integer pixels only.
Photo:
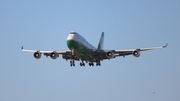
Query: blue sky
[{"x": 44, "y": 25}]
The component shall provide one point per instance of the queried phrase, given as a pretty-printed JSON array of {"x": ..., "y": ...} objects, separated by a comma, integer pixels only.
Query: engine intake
[
  {"x": 110, "y": 54},
  {"x": 37, "y": 55},
  {"x": 136, "y": 53},
  {"x": 54, "y": 55}
]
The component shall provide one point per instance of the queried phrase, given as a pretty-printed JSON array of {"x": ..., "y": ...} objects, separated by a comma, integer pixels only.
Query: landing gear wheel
[
  {"x": 72, "y": 63},
  {"x": 98, "y": 64},
  {"x": 91, "y": 64},
  {"x": 82, "y": 64}
]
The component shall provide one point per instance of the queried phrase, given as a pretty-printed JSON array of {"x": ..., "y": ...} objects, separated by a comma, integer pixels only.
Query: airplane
[{"x": 81, "y": 50}]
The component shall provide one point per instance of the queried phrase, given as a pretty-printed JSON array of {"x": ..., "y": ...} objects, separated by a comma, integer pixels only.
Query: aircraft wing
[
  {"x": 139, "y": 49},
  {"x": 103, "y": 54},
  {"x": 97, "y": 54},
  {"x": 48, "y": 52},
  {"x": 66, "y": 54}
]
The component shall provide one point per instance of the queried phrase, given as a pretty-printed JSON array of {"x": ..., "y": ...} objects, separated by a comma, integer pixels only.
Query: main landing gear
[
  {"x": 92, "y": 64},
  {"x": 82, "y": 64},
  {"x": 98, "y": 64},
  {"x": 72, "y": 64}
]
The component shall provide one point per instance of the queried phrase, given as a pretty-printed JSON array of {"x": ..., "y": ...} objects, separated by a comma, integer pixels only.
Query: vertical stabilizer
[{"x": 101, "y": 42}]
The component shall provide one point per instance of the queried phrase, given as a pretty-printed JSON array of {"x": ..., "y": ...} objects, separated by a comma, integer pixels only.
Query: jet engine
[
  {"x": 110, "y": 54},
  {"x": 54, "y": 55},
  {"x": 37, "y": 55},
  {"x": 136, "y": 53}
]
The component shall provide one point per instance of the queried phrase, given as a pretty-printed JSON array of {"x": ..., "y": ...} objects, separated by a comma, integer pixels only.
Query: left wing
[
  {"x": 127, "y": 52},
  {"x": 108, "y": 54}
]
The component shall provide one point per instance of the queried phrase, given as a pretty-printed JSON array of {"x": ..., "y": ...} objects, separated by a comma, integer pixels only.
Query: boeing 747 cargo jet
[{"x": 83, "y": 51}]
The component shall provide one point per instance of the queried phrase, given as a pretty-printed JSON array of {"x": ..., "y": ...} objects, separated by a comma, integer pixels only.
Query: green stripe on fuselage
[{"x": 80, "y": 50}]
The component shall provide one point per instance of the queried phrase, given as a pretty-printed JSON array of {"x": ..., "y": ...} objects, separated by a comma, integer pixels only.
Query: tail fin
[{"x": 101, "y": 42}]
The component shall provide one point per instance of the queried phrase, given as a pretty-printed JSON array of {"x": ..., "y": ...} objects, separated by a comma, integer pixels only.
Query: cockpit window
[{"x": 72, "y": 32}]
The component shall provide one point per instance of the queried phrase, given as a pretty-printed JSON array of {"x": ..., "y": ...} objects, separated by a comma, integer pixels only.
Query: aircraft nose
[
  {"x": 70, "y": 37},
  {"x": 72, "y": 32}
]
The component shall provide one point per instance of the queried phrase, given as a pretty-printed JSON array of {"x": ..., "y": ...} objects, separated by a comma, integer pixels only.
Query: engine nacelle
[
  {"x": 54, "y": 55},
  {"x": 110, "y": 54},
  {"x": 136, "y": 53},
  {"x": 37, "y": 55}
]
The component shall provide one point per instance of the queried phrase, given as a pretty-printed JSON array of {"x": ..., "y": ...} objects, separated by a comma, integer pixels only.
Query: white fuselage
[{"x": 74, "y": 36}]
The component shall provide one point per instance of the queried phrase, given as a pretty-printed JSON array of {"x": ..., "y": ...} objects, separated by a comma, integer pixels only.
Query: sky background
[{"x": 45, "y": 25}]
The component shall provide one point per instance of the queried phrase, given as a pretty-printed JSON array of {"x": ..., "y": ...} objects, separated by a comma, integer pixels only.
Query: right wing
[
  {"x": 47, "y": 52},
  {"x": 66, "y": 54}
]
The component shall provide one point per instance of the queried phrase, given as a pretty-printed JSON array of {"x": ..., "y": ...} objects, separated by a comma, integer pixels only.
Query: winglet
[
  {"x": 165, "y": 45},
  {"x": 21, "y": 47}
]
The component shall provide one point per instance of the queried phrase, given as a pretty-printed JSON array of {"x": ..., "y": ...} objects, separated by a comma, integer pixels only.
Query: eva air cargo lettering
[{"x": 83, "y": 51}]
